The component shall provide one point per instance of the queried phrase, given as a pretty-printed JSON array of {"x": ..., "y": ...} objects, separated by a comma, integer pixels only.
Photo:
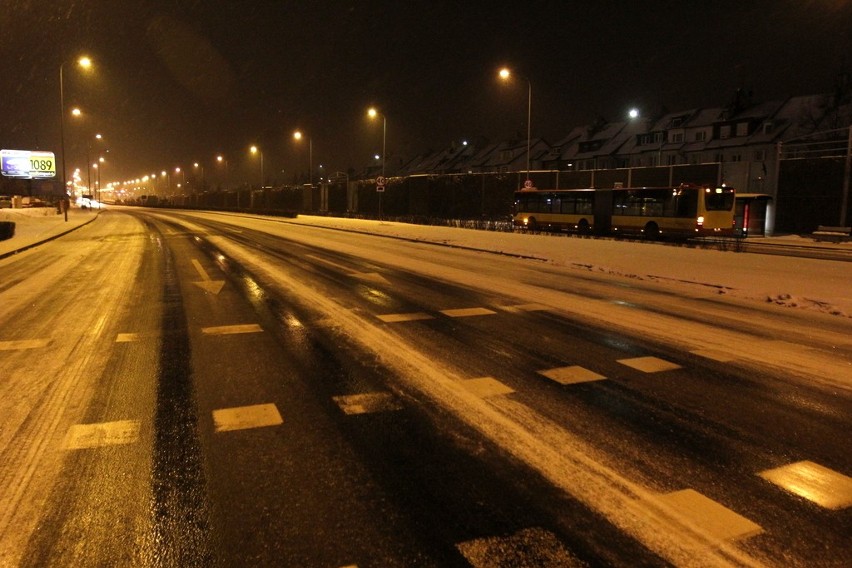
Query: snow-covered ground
[{"x": 821, "y": 285}]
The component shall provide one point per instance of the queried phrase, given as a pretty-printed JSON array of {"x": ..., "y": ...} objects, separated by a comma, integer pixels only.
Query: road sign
[
  {"x": 380, "y": 183},
  {"x": 528, "y": 184}
]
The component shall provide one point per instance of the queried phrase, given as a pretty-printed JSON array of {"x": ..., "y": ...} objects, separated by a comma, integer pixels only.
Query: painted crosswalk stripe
[
  {"x": 396, "y": 318},
  {"x": 718, "y": 523},
  {"x": 571, "y": 375},
  {"x": 467, "y": 312},
  {"x": 527, "y": 547},
  {"x": 246, "y": 417},
  {"x": 485, "y": 387},
  {"x": 367, "y": 403},
  {"x": 649, "y": 364},
  {"x": 23, "y": 344},
  {"x": 83, "y": 436},
  {"x": 821, "y": 485},
  {"x": 232, "y": 329}
]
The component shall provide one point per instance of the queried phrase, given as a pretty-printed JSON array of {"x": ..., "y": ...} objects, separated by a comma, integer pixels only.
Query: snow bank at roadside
[{"x": 818, "y": 285}]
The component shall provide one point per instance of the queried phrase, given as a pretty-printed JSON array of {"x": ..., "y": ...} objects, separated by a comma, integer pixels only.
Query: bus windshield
[{"x": 719, "y": 199}]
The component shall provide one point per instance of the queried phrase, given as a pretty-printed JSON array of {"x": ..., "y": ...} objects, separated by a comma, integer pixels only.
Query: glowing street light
[
  {"x": 256, "y": 150},
  {"x": 297, "y": 135},
  {"x": 85, "y": 63},
  {"x": 373, "y": 113},
  {"x": 505, "y": 75},
  {"x": 633, "y": 113}
]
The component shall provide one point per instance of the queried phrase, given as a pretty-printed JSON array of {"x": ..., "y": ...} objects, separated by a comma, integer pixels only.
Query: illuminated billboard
[{"x": 26, "y": 164}]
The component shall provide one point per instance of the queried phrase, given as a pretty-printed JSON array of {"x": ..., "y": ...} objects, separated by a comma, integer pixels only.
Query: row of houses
[{"x": 746, "y": 138}]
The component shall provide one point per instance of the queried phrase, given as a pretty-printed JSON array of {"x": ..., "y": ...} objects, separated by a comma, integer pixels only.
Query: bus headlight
[{"x": 700, "y": 220}]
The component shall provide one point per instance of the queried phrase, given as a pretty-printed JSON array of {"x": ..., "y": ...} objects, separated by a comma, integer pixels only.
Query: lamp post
[
  {"x": 256, "y": 150},
  {"x": 85, "y": 63},
  {"x": 220, "y": 159},
  {"x": 373, "y": 113},
  {"x": 198, "y": 166},
  {"x": 380, "y": 188},
  {"x": 182, "y": 185},
  {"x": 506, "y": 74},
  {"x": 298, "y": 136}
]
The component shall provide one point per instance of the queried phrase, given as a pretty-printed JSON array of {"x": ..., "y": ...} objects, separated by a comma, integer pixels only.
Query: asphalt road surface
[{"x": 206, "y": 390}]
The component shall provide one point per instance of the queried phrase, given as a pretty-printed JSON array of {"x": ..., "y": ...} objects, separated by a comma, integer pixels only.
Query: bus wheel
[
  {"x": 532, "y": 225},
  {"x": 583, "y": 228},
  {"x": 652, "y": 231}
]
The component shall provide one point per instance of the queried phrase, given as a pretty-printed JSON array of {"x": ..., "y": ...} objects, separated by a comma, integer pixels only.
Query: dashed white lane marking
[
  {"x": 715, "y": 354},
  {"x": 649, "y": 364},
  {"x": 367, "y": 403},
  {"x": 467, "y": 312},
  {"x": 571, "y": 375},
  {"x": 82, "y": 436},
  {"x": 245, "y": 417},
  {"x": 127, "y": 337},
  {"x": 821, "y": 485},
  {"x": 23, "y": 344},
  {"x": 132, "y": 337},
  {"x": 395, "y": 318},
  {"x": 485, "y": 387},
  {"x": 527, "y": 547},
  {"x": 232, "y": 329},
  {"x": 716, "y": 521}
]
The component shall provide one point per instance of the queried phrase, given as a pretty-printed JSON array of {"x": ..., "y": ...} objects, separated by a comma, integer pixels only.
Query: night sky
[{"x": 180, "y": 81}]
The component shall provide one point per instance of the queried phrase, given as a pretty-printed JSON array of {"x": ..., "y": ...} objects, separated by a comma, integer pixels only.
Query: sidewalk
[{"x": 37, "y": 225}]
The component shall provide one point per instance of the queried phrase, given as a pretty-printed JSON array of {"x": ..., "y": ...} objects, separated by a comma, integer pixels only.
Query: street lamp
[
  {"x": 298, "y": 136},
  {"x": 182, "y": 178},
  {"x": 255, "y": 150},
  {"x": 373, "y": 113},
  {"x": 198, "y": 166},
  {"x": 85, "y": 63},
  {"x": 505, "y": 75},
  {"x": 220, "y": 159}
]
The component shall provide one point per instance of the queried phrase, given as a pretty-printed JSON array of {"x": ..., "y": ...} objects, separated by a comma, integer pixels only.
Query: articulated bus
[{"x": 677, "y": 212}]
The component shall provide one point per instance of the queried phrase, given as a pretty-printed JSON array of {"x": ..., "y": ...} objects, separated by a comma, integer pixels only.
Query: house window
[
  {"x": 736, "y": 157},
  {"x": 768, "y": 127},
  {"x": 720, "y": 157},
  {"x": 677, "y": 137},
  {"x": 700, "y": 136},
  {"x": 671, "y": 160},
  {"x": 759, "y": 156},
  {"x": 742, "y": 129},
  {"x": 725, "y": 131}
]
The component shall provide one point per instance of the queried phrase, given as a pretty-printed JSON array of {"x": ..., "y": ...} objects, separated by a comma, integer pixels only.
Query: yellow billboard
[{"x": 27, "y": 164}]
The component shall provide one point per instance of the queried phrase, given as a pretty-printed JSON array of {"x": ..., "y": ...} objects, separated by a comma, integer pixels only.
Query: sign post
[{"x": 380, "y": 189}]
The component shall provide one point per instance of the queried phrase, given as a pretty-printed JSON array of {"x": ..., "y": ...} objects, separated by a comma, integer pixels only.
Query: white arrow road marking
[
  {"x": 206, "y": 284},
  {"x": 373, "y": 277}
]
